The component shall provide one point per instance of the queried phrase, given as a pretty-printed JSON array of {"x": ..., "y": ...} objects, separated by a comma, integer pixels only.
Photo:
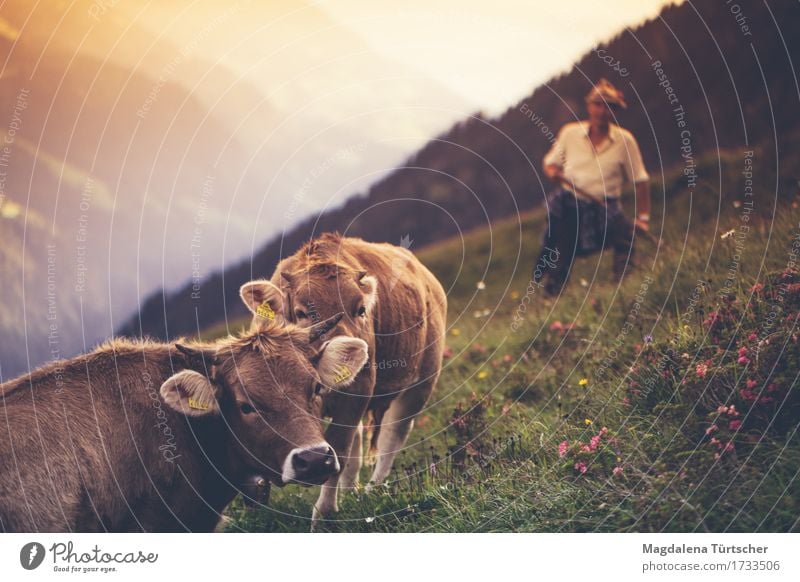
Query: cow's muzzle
[{"x": 310, "y": 465}]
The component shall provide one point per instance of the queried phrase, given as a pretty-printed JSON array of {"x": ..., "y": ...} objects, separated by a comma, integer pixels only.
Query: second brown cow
[{"x": 395, "y": 304}]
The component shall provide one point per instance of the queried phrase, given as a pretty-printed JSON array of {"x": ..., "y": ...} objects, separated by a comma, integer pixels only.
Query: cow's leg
[
  {"x": 396, "y": 426},
  {"x": 340, "y": 436},
  {"x": 349, "y": 479},
  {"x": 398, "y": 420}
]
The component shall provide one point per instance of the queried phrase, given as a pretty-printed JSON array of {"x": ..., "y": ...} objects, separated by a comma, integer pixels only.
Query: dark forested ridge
[{"x": 702, "y": 77}]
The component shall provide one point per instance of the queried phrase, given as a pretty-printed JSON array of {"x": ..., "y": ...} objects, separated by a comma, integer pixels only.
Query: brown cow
[
  {"x": 399, "y": 308},
  {"x": 138, "y": 435}
]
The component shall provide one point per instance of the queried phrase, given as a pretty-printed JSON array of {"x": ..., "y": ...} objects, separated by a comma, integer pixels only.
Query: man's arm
[
  {"x": 554, "y": 172},
  {"x": 637, "y": 173},
  {"x": 643, "y": 204},
  {"x": 553, "y": 163}
]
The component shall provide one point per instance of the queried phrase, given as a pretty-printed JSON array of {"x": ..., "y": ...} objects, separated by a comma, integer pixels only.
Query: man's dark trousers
[{"x": 578, "y": 227}]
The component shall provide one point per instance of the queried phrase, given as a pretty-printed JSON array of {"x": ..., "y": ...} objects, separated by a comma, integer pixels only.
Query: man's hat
[{"x": 604, "y": 92}]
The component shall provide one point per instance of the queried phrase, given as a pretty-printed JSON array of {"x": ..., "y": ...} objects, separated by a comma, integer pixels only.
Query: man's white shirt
[{"x": 602, "y": 170}]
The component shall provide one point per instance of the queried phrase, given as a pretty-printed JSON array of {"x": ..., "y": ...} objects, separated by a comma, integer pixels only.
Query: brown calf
[{"x": 156, "y": 437}]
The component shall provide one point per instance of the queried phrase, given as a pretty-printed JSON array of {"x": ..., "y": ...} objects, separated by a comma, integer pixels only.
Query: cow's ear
[
  {"x": 263, "y": 299},
  {"x": 198, "y": 358},
  {"x": 369, "y": 287},
  {"x": 288, "y": 278},
  {"x": 190, "y": 393},
  {"x": 339, "y": 360}
]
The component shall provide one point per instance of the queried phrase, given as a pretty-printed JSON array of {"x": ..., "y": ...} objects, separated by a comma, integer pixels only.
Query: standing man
[{"x": 589, "y": 162}]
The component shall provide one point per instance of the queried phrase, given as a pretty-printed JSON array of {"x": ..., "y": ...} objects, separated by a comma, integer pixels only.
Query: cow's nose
[{"x": 314, "y": 464}]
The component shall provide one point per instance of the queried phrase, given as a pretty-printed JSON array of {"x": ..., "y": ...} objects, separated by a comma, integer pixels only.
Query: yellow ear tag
[
  {"x": 265, "y": 311},
  {"x": 197, "y": 405},
  {"x": 342, "y": 374}
]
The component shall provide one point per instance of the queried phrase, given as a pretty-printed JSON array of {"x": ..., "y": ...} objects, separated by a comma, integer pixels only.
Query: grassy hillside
[{"x": 668, "y": 403}]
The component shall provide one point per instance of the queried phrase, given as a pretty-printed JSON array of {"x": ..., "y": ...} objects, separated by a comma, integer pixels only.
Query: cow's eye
[
  {"x": 300, "y": 314},
  {"x": 246, "y": 408},
  {"x": 362, "y": 311},
  {"x": 319, "y": 389}
]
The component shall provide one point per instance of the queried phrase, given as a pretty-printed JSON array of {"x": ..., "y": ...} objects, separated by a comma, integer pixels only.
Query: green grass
[{"x": 507, "y": 397}]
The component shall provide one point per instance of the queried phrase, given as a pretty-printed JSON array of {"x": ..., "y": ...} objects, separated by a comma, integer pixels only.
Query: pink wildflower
[
  {"x": 747, "y": 394},
  {"x": 712, "y": 429},
  {"x": 701, "y": 369},
  {"x": 580, "y": 466},
  {"x": 594, "y": 442},
  {"x": 617, "y": 471},
  {"x": 752, "y": 337},
  {"x": 562, "y": 448},
  {"x": 722, "y": 410},
  {"x": 735, "y": 424},
  {"x": 751, "y": 384},
  {"x": 743, "y": 360}
]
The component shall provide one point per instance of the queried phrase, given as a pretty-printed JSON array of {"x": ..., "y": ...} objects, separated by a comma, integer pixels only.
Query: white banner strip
[{"x": 381, "y": 557}]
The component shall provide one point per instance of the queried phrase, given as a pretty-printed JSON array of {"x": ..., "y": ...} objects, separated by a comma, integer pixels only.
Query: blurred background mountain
[{"x": 141, "y": 159}]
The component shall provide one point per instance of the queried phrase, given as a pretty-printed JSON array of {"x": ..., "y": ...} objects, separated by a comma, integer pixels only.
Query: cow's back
[
  {"x": 89, "y": 444},
  {"x": 411, "y": 311}
]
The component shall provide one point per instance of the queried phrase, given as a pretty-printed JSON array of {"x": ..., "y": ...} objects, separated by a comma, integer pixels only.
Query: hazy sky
[{"x": 528, "y": 41}]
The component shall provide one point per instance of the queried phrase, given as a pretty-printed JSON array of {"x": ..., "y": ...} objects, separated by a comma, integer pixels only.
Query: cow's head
[
  {"x": 268, "y": 385},
  {"x": 314, "y": 294}
]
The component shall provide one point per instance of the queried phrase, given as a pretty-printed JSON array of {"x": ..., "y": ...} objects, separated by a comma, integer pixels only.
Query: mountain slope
[{"x": 734, "y": 90}]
